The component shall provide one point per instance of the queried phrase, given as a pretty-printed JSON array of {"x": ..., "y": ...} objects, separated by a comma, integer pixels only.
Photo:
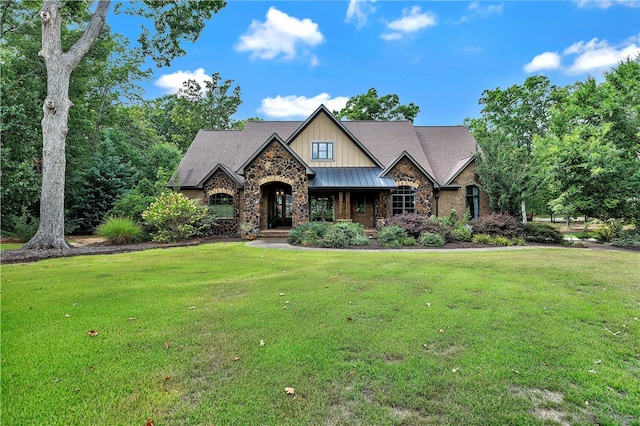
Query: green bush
[
  {"x": 481, "y": 239},
  {"x": 539, "y": 232},
  {"x": 308, "y": 234},
  {"x": 391, "y": 236},
  {"x": 429, "y": 239},
  {"x": 343, "y": 234},
  {"x": 120, "y": 230},
  {"x": 461, "y": 233},
  {"x": 174, "y": 217},
  {"x": 627, "y": 238},
  {"x": 407, "y": 241},
  {"x": 496, "y": 240},
  {"x": 23, "y": 227}
]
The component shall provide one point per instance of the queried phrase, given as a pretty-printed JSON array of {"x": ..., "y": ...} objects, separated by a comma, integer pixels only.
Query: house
[{"x": 286, "y": 173}]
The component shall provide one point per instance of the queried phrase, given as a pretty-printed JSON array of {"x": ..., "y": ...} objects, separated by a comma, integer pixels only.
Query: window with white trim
[
  {"x": 403, "y": 200},
  {"x": 322, "y": 150}
]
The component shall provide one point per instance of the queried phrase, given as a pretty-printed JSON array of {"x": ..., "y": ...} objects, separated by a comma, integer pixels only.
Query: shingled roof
[{"x": 441, "y": 151}]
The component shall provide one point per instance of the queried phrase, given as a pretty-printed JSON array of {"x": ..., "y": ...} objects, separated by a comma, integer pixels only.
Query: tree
[
  {"x": 371, "y": 107},
  {"x": 591, "y": 157},
  {"x": 209, "y": 107},
  {"x": 510, "y": 121},
  {"x": 173, "y": 22}
]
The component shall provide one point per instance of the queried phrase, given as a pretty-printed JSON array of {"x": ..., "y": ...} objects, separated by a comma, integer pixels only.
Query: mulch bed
[{"x": 22, "y": 256}]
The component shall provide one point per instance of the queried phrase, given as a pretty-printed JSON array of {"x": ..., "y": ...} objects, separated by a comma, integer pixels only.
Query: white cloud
[
  {"x": 484, "y": 10},
  {"x": 544, "y": 61},
  {"x": 586, "y": 57},
  {"x": 391, "y": 36},
  {"x": 413, "y": 20},
  {"x": 599, "y": 56},
  {"x": 299, "y": 106},
  {"x": 171, "y": 83},
  {"x": 280, "y": 34},
  {"x": 359, "y": 11},
  {"x": 606, "y": 4}
]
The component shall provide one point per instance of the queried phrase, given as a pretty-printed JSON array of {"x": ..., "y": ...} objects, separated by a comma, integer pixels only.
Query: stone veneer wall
[
  {"x": 221, "y": 183},
  {"x": 275, "y": 164},
  {"x": 456, "y": 199},
  {"x": 405, "y": 173}
]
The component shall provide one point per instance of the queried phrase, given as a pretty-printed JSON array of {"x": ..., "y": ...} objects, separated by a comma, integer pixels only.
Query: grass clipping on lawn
[{"x": 229, "y": 334}]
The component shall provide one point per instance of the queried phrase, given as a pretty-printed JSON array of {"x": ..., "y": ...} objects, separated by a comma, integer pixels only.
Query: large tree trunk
[{"x": 56, "y": 106}]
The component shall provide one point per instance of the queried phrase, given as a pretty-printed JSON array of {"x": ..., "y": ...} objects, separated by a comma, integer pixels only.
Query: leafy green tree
[
  {"x": 591, "y": 158},
  {"x": 173, "y": 22},
  {"x": 209, "y": 107},
  {"x": 505, "y": 133},
  {"x": 370, "y": 106},
  {"x": 96, "y": 189}
]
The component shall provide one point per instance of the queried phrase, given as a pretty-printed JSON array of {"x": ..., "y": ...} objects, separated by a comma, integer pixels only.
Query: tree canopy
[
  {"x": 171, "y": 24},
  {"x": 370, "y": 106}
]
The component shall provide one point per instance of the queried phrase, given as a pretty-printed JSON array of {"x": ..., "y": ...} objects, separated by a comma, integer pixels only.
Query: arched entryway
[{"x": 277, "y": 205}]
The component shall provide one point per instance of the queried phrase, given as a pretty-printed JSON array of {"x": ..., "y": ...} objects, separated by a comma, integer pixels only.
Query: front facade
[{"x": 283, "y": 174}]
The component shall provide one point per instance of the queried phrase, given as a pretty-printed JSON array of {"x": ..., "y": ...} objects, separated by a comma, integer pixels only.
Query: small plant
[
  {"x": 429, "y": 239},
  {"x": 481, "y": 239},
  {"x": 120, "y": 230},
  {"x": 391, "y": 236},
  {"x": 461, "y": 233},
  {"x": 407, "y": 241}
]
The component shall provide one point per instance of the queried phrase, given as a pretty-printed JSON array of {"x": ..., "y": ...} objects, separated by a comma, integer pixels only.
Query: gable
[{"x": 321, "y": 128}]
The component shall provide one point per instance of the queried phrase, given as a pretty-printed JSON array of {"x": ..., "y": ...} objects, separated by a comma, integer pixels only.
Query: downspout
[{"x": 436, "y": 193}]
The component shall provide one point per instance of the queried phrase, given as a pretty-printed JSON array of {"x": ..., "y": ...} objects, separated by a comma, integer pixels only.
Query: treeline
[{"x": 566, "y": 151}]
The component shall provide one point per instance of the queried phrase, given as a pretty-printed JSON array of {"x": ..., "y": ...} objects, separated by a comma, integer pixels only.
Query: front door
[{"x": 281, "y": 210}]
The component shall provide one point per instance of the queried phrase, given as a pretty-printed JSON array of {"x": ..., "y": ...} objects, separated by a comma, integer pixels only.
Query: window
[
  {"x": 403, "y": 200},
  {"x": 221, "y": 205},
  {"x": 473, "y": 201},
  {"x": 322, "y": 150},
  {"x": 322, "y": 209}
]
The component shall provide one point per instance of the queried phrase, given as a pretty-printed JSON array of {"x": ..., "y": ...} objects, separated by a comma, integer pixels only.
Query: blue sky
[{"x": 290, "y": 56}]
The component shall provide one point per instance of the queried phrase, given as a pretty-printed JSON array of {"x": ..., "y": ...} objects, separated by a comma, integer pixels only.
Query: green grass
[
  {"x": 500, "y": 337},
  {"x": 10, "y": 246}
]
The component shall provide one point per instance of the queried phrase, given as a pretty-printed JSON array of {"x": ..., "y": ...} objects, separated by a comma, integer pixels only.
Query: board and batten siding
[{"x": 322, "y": 129}]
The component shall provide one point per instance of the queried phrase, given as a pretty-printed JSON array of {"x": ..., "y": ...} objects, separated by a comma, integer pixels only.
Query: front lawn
[{"x": 214, "y": 334}]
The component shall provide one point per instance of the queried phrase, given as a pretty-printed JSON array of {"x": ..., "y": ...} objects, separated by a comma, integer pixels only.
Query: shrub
[
  {"x": 429, "y": 239},
  {"x": 343, "y": 234},
  {"x": 538, "y": 232},
  {"x": 120, "y": 230},
  {"x": 407, "y": 241},
  {"x": 627, "y": 238},
  {"x": 309, "y": 233},
  {"x": 503, "y": 225},
  {"x": 481, "y": 239},
  {"x": 461, "y": 233},
  {"x": 413, "y": 224},
  {"x": 435, "y": 225},
  {"x": 391, "y": 236},
  {"x": 24, "y": 227},
  {"x": 174, "y": 217}
]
